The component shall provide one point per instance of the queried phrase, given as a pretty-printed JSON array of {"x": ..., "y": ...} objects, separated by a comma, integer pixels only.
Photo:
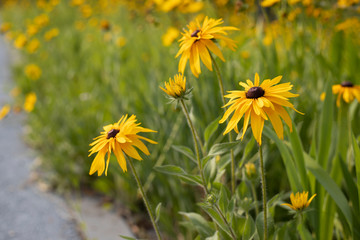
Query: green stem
[
  {"x": 263, "y": 187},
  {"x": 221, "y": 85},
  {"x": 233, "y": 236},
  {"x": 146, "y": 201},
  {"x": 186, "y": 113}
]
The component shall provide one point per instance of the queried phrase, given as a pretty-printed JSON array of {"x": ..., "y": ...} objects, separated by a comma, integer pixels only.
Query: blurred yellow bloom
[
  {"x": 347, "y": 90},
  {"x": 33, "y": 45},
  {"x": 292, "y": 15},
  {"x": 5, "y": 27},
  {"x": 269, "y": 3},
  {"x": 77, "y": 2},
  {"x": 267, "y": 40},
  {"x": 20, "y": 41},
  {"x": 299, "y": 201},
  {"x": 183, "y": 6},
  {"x": 120, "y": 138},
  {"x": 176, "y": 88},
  {"x": 350, "y": 24},
  {"x": 250, "y": 170},
  {"x": 105, "y": 25},
  {"x": 120, "y": 41},
  {"x": 322, "y": 96},
  {"x": 307, "y": 2},
  {"x": 221, "y": 2},
  {"x": 30, "y": 101},
  {"x": 292, "y": 2},
  {"x": 245, "y": 54},
  {"x": 346, "y": 3},
  {"x": 198, "y": 40},
  {"x": 42, "y": 20},
  {"x": 169, "y": 37},
  {"x": 260, "y": 102},
  {"x": 86, "y": 10},
  {"x": 32, "y": 29},
  {"x": 51, "y": 34},
  {"x": 4, "y": 111},
  {"x": 32, "y": 71}
]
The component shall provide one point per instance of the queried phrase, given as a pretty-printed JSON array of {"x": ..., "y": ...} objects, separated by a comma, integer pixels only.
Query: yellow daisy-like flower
[
  {"x": 260, "y": 102},
  {"x": 51, "y": 34},
  {"x": 30, "y": 101},
  {"x": 198, "y": 40},
  {"x": 175, "y": 88},
  {"x": 33, "y": 71},
  {"x": 299, "y": 201},
  {"x": 269, "y": 3},
  {"x": 347, "y": 90},
  {"x": 4, "y": 111},
  {"x": 120, "y": 138}
]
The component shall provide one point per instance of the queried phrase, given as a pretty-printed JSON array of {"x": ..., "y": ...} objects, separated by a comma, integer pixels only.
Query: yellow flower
[
  {"x": 292, "y": 2},
  {"x": 32, "y": 29},
  {"x": 77, "y": 2},
  {"x": 299, "y": 201},
  {"x": 347, "y": 90},
  {"x": 86, "y": 10},
  {"x": 33, "y": 45},
  {"x": 20, "y": 41},
  {"x": 346, "y": 3},
  {"x": 322, "y": 96},
  {"x": 51, "y": 34},
  {"x": 33, "y": 71},
  {"x": 105, "y": 25},
  {"x": 4, "y": 111},
  {"x": 176, "y": 88},
  {"x": 120, "y": 138},
  {"x": 30, "y": 101},
  {"x": 269, "y": 3},
  {"x": 245, "y": 54},
  {"x": 41, "y": 20},
  {"x": 169, "y": 37},
  {"x": 199, "y": 40},
  {"x": 5, "y": 27},
  {"x": 120, "y": 41},
  {"x": 260, "y": 102}
]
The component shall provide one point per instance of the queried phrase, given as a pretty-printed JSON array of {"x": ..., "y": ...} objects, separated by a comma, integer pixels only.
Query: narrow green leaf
[
  {"x": 249, "y": 229},
  {"x": 216, "y": 218},
  {"x": 214, "y": 237},
  {"x": 325, "y": 128},
  {"x": 221, "y": 148},
  {"x": 202, "y": 226},
  {"x": 224, "y": 198},
  {"x": 298, "y": 154},
  {"x": 357, "y": 164},
  {"x": 304, "y": 233},
  {"x": 286, "y": 157},
  {"x": 211, "y": 128},
  {"x": 178, "y": 171},
  {"x": 157, "y": 212},
  {"x": 330, "y": 186},
  {"x": 210, "y": 170},
  {"x": 186, "y": 151},
  {"x": 127, "y": 238}
]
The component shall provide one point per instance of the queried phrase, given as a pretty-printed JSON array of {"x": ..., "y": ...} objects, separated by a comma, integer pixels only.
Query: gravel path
[{"x": 25, "y": 212}]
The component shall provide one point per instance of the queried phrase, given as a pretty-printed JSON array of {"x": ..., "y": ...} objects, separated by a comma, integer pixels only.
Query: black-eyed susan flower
[
  {"x": 120, "y": 138},
  {"x": 347, "y": 90},
  {"x": 169, "y": 37},
  {"x": 257, "y": 103},
  {"x": 51, "y": 34},
  {"x": 299, "y": 201},
  {"x": 269, "y": 3},
  {"x": 4, "y": 111},
  {"x": 198, "y": 40},
  {"x": 176, "y": 88}
]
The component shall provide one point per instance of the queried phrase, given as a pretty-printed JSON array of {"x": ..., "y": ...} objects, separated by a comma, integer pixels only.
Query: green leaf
[
  {"x": 211, "y": 128},
  {"x": 357, "y": 164},
  {"x": 186, "y": 151},
  {"x": 326, "y": 128},
  {"x": 298, "y": 154},
  {"x": 210, "y": 171},
  {"x": 216, "y": 218},
  {"x": 224, "y": 198},
  {"x": 221, "y": 148},
  {"x": 249, "y": 228},
  {"x": 178, "y": 171},
  {"x": 330, "y": 186},
  {"x": 304, "y": 232},
  {"x": 260, "y": 225},
  {"x": 287, "y": 159},
  {"x": 127, "y": 238},
  {"x": 202, "y": 226},
  {"x": 157, "y": 212},
  {"x": 214, "y": 237}
]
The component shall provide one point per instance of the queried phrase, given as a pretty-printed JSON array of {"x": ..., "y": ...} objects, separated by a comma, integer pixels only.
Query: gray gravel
[{"x": 26, "y": 213}]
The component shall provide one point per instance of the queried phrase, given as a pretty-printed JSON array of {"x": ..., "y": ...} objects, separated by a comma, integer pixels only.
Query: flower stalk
[
  {"x": 146, "y": 201},
  {"x": 263, "y": 188},
  {"x": 221, "y": 85}
]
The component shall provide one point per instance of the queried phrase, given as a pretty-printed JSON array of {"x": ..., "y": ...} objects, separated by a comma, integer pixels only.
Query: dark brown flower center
[
  {"x": 347, "y": 84},
  {"x": 195, "y": 33},
  {"x": 112, "y": 133},
  {"x": 255, "y": 92}
]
